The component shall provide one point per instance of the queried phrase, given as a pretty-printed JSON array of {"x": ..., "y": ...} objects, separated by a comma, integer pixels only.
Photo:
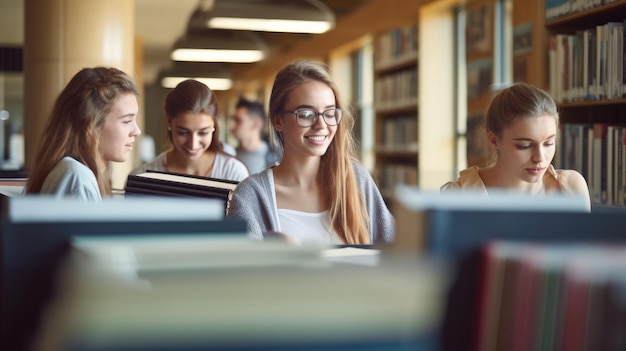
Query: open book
[{"x": 176, "y": 184}]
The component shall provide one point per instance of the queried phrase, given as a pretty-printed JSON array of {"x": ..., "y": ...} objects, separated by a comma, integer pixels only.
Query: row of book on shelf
[
  {"x": 395, "y": 45},
  {"x": 598, "y": 152},
  {"x": 552, "y": 297},
  {"x": 559, "y": 8},
  {"x": 390, "y": 175},
  {"x": 399, "y": 133},
  {"x": 588, "y": 65},
  {"x": 397, "y": 89}
]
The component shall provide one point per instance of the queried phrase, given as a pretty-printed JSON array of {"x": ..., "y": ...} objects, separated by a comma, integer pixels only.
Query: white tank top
[
  {"x": 308, "y": 227},
  {"x": 305, "y": 227}
]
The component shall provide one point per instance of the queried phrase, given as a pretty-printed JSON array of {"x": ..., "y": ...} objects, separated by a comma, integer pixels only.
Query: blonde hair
[
  {"x": 346, "y": 205},
  {"x": 76, "y": 119}
]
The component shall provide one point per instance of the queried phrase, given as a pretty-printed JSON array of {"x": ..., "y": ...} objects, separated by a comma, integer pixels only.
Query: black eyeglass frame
[{"x": 316, "y": 114}]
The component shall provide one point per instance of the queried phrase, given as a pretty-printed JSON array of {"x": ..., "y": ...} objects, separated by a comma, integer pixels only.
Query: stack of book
[{"x": 156, "y": 183}]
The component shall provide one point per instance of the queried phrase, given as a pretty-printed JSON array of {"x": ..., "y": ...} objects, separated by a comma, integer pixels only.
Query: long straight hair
[
  {"x": 75, "y": 123},
  {"x": 192, "y": 96},
  {"x": 346, "y": 205}
]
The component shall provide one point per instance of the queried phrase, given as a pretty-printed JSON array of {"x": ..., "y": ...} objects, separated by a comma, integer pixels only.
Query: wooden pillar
[{"x": 60, "y": 38}]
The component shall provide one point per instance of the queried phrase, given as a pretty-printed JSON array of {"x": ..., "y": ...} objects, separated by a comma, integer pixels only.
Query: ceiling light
[
  {"x": 213, "y": 83},
  {"x": 269, "y": 25},
  {"x": 216, "y": 76},
  {"x": 291, "y": 16},
  {"x": 219, "y": 46},
  {"x": 215, "y": 55}
]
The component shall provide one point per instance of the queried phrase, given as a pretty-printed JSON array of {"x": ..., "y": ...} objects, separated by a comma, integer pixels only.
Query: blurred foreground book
[
  {"x": 191, "y": 296},
  {"x": 552, "y": 297}
]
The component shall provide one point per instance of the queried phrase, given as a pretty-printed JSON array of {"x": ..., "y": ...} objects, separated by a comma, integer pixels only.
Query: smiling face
[
  {"x": 192, "y": 133},
  {"x": 313, "y": 140},
  {"x": 526, "y": 147},
  {"x": 117, "y": 136}
]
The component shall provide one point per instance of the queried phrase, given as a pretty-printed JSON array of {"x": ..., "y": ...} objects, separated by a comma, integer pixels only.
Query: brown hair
[
  {"x": 75, "y": 121},
  {"x": 346, "y": 206},
  {"x": 521, "y": 100},
  {"x": 192, "y": 96}
]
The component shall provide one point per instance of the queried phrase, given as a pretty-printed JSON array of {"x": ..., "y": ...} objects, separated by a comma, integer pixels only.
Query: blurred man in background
[{"x": 247, "y": 127}]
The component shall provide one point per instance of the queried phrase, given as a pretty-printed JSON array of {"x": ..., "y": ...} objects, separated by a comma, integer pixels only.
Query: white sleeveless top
[{"x": 305, "y": 227}]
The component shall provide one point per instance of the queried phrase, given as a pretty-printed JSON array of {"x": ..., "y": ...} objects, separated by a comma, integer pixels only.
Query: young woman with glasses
[
  {"x": 191, "y": 109},
  {"x": 318, "y": 193}
]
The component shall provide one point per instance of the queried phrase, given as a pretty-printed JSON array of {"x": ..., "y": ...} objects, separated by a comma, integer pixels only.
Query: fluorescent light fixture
[
  {"x": 219, "y": 45},
  {"x": 290, "y": 16},
  {"x": 270, "y": 25},
  {"x": 215, "y": 75},
  {"x": 215, "y": 55},
  {"x": 213, "y": 83}
]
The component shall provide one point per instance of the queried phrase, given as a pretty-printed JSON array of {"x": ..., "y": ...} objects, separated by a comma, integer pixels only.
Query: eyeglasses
[{"x": 306, "y": 117}]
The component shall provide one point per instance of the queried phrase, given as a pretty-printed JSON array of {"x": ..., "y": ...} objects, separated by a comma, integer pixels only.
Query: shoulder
[
  {"x": 70, "y": 167},
  {"x": 254, "y": 183},
  {"x": 228, "y": 159},
  {"x": 363, "y": 177},
  {"x": 469, "y": 178},
  {"x": 381, "y": 220},
  {"x": 360, "y": 171},
  {"x": 572, "y": 180},
  {"x": 450, "y": 186},
  {"x": 252, "y": 193},
  {"x": 366, "y": 183},
  {"x": 229, "y": 167},
  {"x": 573, "y": 183},
  {"x": 229, "y": 149},
  {"x": 70, "y": 177}
]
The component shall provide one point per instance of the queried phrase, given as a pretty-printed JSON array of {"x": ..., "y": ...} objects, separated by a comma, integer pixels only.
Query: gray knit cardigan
[{"x": 252, "y": 200}]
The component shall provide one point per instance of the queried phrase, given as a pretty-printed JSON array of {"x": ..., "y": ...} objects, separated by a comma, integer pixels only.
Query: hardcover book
[{"x": 157, "y": 183}]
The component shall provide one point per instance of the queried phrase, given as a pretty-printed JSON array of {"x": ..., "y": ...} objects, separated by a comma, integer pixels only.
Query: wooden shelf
[
  {"x": 395, "y": 108},
  {"x": 601, "y": 120},
  {"x": 592, "y": 103},
  {"x": 411, "y": 148},
  {"x": 615, "y": 11},
  {"x": 399, "y": 63}
]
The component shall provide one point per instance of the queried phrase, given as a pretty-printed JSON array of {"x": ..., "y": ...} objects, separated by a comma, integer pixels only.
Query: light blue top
[
  {"x": 258, "y": 160},
  {"x": 71, "y": 179}
]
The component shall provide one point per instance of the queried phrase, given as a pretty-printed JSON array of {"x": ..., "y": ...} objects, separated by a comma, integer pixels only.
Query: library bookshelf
[
  {"x": 396, "y": 107},
  {"x": 587, "y": 79}
]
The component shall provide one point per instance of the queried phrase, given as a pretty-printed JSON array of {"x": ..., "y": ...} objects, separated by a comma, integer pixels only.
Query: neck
[
  {"x": 302, "y": 173},
  {"x": 202, "y": 166}
]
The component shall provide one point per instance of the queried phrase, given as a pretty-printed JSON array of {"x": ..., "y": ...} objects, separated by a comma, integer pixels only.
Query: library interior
[{"x": 159, "y": 264}]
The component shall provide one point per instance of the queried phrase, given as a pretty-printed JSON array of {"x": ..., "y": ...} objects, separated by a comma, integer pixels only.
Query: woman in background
[
  {"x": 522, "y": 125},
  {"x": 93, "y": 122},
  {"x": 318, "y": 193},
  {"x": 191, "y": 109}
]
